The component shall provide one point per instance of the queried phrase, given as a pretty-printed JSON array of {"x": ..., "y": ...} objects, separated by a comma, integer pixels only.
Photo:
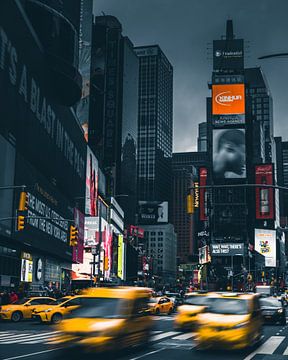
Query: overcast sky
[{"x": 184, "y": 29}]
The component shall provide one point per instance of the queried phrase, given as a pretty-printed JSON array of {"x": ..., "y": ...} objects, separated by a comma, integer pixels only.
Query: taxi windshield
[
  {"x": 102, "y": 308},
  {"x": 195, "y": 300},
  {"x": 58, "y": 301},
  {"x": 20, "y": 301},
  {"x": 228, "y": 306},
  {"x": 270, "y": 302}
]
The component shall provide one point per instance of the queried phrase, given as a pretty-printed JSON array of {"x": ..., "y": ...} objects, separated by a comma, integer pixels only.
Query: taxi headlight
[
  {"x": 240, "y": 325},
  {"x": 47, "y": 310},
  {"x": 280, "y": 311}
]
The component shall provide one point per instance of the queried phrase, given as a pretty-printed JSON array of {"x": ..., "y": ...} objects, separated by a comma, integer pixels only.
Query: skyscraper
[
  {"x": 113, "y": 118},
  {"x": 202, "y": 137},
  {"x": 155, "y": 119}
]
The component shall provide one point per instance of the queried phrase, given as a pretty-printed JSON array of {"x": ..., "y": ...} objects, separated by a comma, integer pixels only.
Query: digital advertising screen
[
  {"x": 92, "y": 171},
  {"x": 265, "y": 244},
  {"x": 229, "y": 154},
  {"x": 264, "y": 175},
  {"x": 228, "y": 99}
]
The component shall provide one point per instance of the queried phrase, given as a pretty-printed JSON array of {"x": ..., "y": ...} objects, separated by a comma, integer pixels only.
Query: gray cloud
[{"x": 183, "y": 28}]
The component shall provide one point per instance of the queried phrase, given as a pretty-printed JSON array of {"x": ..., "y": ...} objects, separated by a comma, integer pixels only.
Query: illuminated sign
[
  {"x": 265, "y": 244},
  {"x": 120, "y": 262},
  {"x": 264, "y": 175},
  {"x": 228, "y": 99},
  {"x": 196, "y": 194},
  {"x": 203, "y": 194}
]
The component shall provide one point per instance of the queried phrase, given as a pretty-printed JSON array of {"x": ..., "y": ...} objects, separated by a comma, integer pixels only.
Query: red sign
[
  {"x": 77, "y": 255},
  {"x": 264, "y": 175},
  {"x": 203, "y": 194},
  {"x": 136, "y": 231}
]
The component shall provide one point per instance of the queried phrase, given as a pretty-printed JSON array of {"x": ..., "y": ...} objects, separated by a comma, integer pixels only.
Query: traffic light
[
  {"x": 73, "y": 236},
  {"x": 190, "y": 204},
  {"x": 20, "y": 222},
  {"x": 23, "y": 201}
]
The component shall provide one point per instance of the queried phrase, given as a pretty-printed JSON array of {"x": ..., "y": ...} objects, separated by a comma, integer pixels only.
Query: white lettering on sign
[
  {"x": 30, "y": 91},
  {"x": 226, "y": 100}
]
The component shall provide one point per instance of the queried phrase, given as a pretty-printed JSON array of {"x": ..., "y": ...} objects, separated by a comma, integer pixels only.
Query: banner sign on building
[
  {"x": 228, "y": 99},
  {"x": 227, "y": 249},
  {"x": 91, "y": 184},
  {"x": 153, "y": 212},
  {"x": 26, "y": 267},
  {"x": 203, "y": 194},
  {"x": 196, "y": 194},
  {"x": 229, "y": 154},
  {"x": 264, "y": 175},
  {"x": 77, "y": 255},
  {"x": 204, "y": 255},
  {"x": 120, "y": 262},
  {"x": 265, "y": 244}
]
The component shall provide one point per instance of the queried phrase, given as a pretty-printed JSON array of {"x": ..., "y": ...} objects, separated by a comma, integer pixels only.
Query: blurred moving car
[
  {"x": 23, "y": 308},
  {"x": 54, "y": 312},
  {"x": 232, "y": 321},
  {"x": 160, "y": 305},
  {"x": 109, "y": 319},
  {"x": 273, "y": 310},
  {"x": 194, "y": 304}
]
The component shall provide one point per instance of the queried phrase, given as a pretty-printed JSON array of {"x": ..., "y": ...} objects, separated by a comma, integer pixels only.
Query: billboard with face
[
  {"x": 228, "y": 99},
  {"x": 265, "y": 244},
  {"x": 91, "y": 184},
  {"x": 264, "y": 175},
  {"x": 229, "y": 159}
]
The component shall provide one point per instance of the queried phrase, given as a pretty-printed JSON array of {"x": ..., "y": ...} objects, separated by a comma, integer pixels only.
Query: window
[{"x": 73, "y": 302}]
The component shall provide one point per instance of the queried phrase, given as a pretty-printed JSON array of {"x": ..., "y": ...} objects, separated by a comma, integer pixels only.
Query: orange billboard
[{"x": 228, "y": 99}]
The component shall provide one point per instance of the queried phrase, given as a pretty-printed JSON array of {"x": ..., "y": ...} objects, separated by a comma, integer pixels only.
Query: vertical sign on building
[
  {"x": 264, "y": 175},
  {"x": 203, "y": 194},
  {"x": 120, "y": 267},
  {"x": 92, "y": 171},
  {"x": 78, "y": 250}
]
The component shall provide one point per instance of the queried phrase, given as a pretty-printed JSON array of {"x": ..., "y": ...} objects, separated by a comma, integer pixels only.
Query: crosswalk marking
[
  {"x": 24, "y": 338},
  {"x": 268, "y": 347},
  {"x": 286, "y": 351},
  {"x": 184, "y": 336},
  {"x": 164, "y": 335}
]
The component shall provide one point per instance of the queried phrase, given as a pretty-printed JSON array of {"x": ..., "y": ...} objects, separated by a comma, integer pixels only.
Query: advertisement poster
[
  {"x": 204, "y": 255},
  {"x": 83, "y": 271},
  {"x": 203, "y": 195},
  {"x": 77, "y": 255},
  {"x": 26, "y": 270},
  {"x": 228, "y": 99},
  {"x": 227, "y": 249},
  {"x": 107, "y": 238},
  {"x": 264, "y": 196},
  {"x": 120, "y": 262},
  {"x": 265, "y": 244},
  {"x": 91, "y": 184},
  {"x": 229, "y": 154},
  {"x": 153, "y": 212},
  {"x": 228, "y": 54}
]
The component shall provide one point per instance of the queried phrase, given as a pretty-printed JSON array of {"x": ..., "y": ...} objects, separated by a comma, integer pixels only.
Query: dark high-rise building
[
  {"x": 262, "y": 111},
  {"x": 113, "y": 120},
  {"x": 155, "y": 130},
  {"x": 202, "y": 137},
  {"x": 183, "y": 175},
  {"x": 281, "y": 148}
]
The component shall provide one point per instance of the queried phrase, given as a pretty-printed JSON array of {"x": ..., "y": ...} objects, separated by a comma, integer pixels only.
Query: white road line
[
  {"x": 268, "y": 347},
  {"x": 32, "y": 354},
  {"x": 4, "y": 338},
  {"x": 43, "y": 339},
  {"x": 164, "y": 335},
  {"x": 138, "y": 357},
  {"x": 286, "y": 351},
  {"x": 184, "y": 336},
  {"x": 6, "y": 334},
  {"x": 27, "y": 337}
]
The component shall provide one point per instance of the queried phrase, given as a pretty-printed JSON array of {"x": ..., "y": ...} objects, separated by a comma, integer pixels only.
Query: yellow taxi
[
  {"x": 194, "y": 304},
  {"x": 56, "y": 310},
  {"x": 108, "y": 319},
  {"x": 231, "y": 321},
  {"x": 160, "y": 305},
  {"x": 23, "y": 308}
]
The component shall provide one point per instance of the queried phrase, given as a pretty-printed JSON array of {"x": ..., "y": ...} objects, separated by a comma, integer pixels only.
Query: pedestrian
[{"x": 13, "y": 297}]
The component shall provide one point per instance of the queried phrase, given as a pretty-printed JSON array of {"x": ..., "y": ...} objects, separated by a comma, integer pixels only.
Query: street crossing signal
[
  {"x": 23, "y": 201},
  {"x": 20, "y": 222},
  {"x": 190, "y": 204},
  {"x": 73, "y": 236}
]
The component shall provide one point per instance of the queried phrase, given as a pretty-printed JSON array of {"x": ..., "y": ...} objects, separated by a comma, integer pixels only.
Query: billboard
[
  {"x": 92, "y": 170},
  {"x": 153, "y": 212},
  {"x": 77, "y": 254},
  {"x": 120, "y": 261},
  {"x": 203, "y": 194},
  {"x": 228, "y": 54},
  {"x": 26, "y": 267},
  {"x": 265, "y": 244},
  {"x": 204, "y": 255},
  {"x": 228, "y": 99},
  {"x": 229, "y": 154},
  {"x": 227, "y": 249},
  {"x": 264, "y": 175}
]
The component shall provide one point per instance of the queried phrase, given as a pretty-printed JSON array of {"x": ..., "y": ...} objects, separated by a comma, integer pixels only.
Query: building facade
[
  {"x": 155, "y": 124},
  {"x": 202, "y": 137}
]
